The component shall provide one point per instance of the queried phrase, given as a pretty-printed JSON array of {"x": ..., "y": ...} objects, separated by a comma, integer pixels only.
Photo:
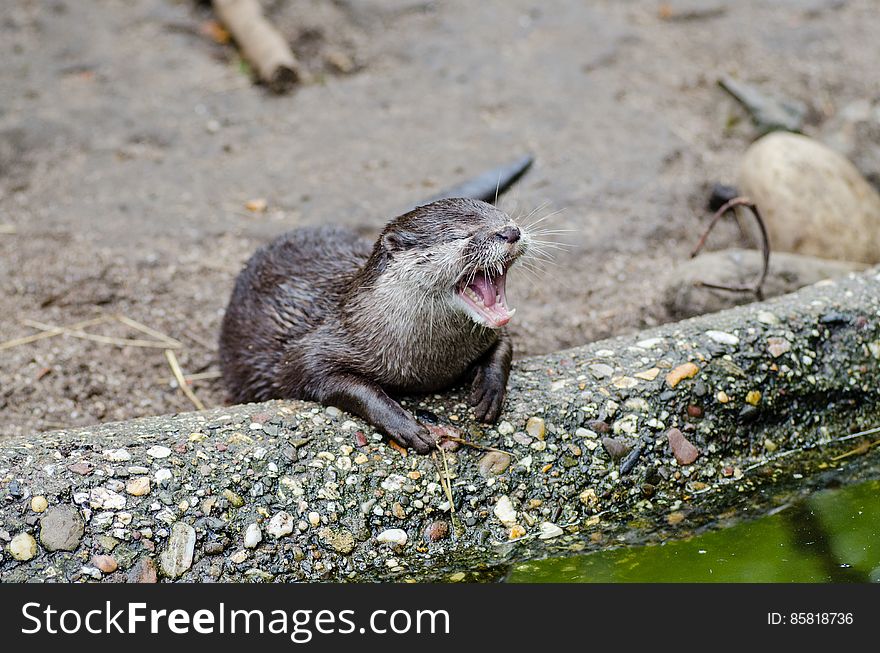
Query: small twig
[
  {"x": 7, "y": 229},
  {"x": 143, "y": 328},
  {"x": 757, "y": 288},
  {"x": 447, "y": 486},
  {"x": 788, "y": 452},
  {"x": 181, "y": 382},
  {"x": 863, "y": 448},
  {"x": 107, "y": 340},
  {"x": 872, "y": 431},
  {"x": 57, "y": 331},
  {"x": 481, "y": 447}
]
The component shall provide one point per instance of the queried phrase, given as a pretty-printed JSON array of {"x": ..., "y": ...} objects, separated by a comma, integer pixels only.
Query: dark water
[{"x": 832, "y": 536}]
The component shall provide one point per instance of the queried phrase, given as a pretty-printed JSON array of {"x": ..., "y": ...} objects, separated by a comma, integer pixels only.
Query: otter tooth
[{"x": 470, "y": 293}]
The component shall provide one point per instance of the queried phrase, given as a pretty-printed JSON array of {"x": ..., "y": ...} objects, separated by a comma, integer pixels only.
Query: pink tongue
[{"x": 485, "y": 288}]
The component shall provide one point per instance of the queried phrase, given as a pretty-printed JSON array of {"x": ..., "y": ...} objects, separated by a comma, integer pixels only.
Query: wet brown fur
[{"x": 324, "y": 315}]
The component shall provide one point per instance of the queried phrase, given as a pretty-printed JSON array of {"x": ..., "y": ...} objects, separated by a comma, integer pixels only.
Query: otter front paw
[
  {"x": 487, "y": 395},
  {"x": 414, "y": 435}
]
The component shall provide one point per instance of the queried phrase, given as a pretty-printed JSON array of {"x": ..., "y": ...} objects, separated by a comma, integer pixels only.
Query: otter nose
[{"x": 509, "y": 234}]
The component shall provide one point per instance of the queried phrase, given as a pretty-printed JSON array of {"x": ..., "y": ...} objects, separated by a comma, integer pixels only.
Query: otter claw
[
  {"x": 487, "y": 398},
  {"x": 421, "y": 440}
]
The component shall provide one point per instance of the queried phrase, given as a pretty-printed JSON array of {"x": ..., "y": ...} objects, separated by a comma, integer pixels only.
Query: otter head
[{"x": 457, "y": 253}]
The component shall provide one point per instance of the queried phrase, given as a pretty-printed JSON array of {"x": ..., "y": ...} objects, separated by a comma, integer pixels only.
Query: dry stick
[
  {"x": 445, "y": 481},
  {"x": 446, "y": 484},
  {"x": 143, "y": 328},
  {"x": 757, "y": 288},
  {"x": 8, "y": 229},
  {"x": 53, "y": 332},
  {"x": 260, "y": 43},
  {"x": 181, "y": 382},
  {"x": 94, "y": 337},
  {"x": 481, "y": 447},
  {"x": 863, "y": 448}
]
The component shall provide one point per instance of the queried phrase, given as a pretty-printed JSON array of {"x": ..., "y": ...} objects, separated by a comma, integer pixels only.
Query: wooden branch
[
  {"x": 261, "y": 44},
  {"x": 637, "y": 439}
]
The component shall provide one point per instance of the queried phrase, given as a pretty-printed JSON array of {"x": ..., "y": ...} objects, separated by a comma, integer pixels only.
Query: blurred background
[{"x": 140, "y": 165}]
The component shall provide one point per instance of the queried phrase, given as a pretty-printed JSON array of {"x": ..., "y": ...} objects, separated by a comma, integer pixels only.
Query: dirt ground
[{"x": 130, "y": 142}]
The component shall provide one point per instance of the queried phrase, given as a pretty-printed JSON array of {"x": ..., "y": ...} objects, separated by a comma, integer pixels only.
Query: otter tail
[{"x": 490, "y": 185}]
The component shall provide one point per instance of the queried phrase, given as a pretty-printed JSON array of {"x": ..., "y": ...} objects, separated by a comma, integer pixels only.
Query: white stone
[
  {"x": 117, "y": 455},
  {"x": 23, "y": 547},
  {"x": 101, "y": 497},
  {"x": 627, "y": 424},
  {"x": 722, "y": 337},
  {"x": 163, "y": 476},
  {"x": 393, "y": 482},
  {"x": 504, "y": 511},
  {"x": 178, "y": 556},
  {"x": 158, "y": 452},
  {"x": 252, "y": 536},
  {"x": 393, "y": 536},
  {"x": 766, "y": 317},
  {"x": 280, "y": 525},
  {"x": 624, "y": 382},
  {"x": 505, "y": 428},
  {"x": 549, "y": 530}
]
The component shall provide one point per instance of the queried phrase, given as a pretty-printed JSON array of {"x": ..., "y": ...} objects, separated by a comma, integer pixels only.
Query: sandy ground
[{"x": 130, "y": 142}]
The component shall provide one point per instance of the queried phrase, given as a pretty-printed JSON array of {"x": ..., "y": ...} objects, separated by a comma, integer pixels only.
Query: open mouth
[{"x": 484, "y": 297}]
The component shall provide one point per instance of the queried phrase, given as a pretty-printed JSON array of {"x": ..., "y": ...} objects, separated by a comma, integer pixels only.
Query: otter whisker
[
  {"x": 539, "y": 220},
  {"x": 546, "y": 232},
  {"x": 541, "y": 207},
  {"x": 538, "y": 242}
]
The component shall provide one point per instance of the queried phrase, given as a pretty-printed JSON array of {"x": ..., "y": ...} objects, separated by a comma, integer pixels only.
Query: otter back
[{"x": 286, "y": 290}]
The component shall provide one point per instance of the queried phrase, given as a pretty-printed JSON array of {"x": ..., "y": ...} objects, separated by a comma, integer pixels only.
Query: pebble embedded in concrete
[
  {"x": 61, "y": 528},
  {"x": 280, "y": 525},
  {"x": 158, "y": 451},
  {"x": 535, "y": 427},
  {"x": 504, "y": 511},
  {"x": 23, "y": 547},
  {"x": 393, "y": 536},
  {"x": 178, "y": 555},
  {"x": 39, "y": 503},
  {"x": 722, "y": 337},
  {"x": 549, "y": 530},
  {"x": 138, "y": 486},
  {"x": 252, "y": 536}
]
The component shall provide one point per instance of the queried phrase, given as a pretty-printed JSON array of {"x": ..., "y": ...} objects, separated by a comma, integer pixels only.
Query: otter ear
[{"x": 396, "y": 240}]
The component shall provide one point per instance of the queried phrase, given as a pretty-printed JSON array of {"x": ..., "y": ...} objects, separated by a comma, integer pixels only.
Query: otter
[{"x": 324, "y": 315}]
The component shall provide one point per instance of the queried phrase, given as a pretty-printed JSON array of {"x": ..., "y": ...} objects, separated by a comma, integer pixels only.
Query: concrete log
[{"x": 630, "y": 440}]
